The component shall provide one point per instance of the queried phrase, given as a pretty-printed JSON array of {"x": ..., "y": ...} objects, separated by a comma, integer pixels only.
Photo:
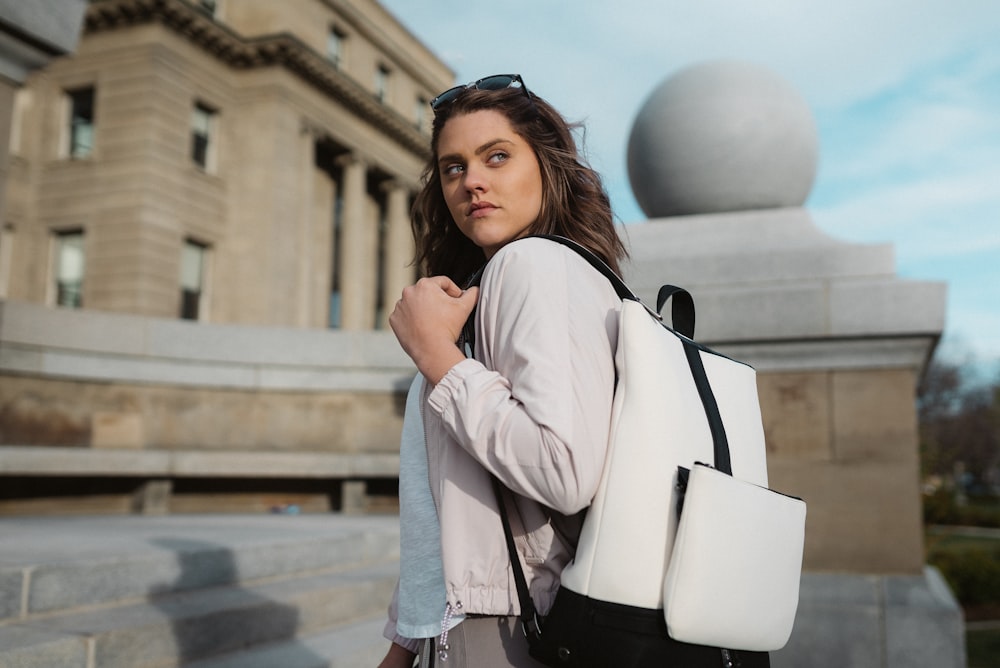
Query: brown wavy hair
[{"x": 574, "y": 201}]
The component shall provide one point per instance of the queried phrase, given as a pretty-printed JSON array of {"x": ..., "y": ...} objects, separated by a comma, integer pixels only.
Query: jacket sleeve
[{"x": 534, "y": 408}]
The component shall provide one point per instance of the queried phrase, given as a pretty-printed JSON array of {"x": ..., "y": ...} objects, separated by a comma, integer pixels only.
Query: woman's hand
[
  {"x": 398, "y": 657},
  {"x": 428, "y": 320}
]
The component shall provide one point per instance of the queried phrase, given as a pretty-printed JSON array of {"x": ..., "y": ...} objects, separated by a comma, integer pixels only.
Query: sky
[{"x": 905, "y": 95}]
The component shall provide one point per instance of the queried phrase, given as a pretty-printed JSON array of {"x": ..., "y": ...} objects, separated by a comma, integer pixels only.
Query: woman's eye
[
  {"x": 451, "y": 170},
  {"x": 499, "y": 156}
]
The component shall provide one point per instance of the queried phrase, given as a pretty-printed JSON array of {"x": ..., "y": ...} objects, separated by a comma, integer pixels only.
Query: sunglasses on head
[{"x": 494, "y": 82}]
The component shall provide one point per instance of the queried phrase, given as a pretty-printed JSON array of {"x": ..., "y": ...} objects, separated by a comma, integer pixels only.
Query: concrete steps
[
  {"x": 348, "y": 646},
  {"x": 198, "y": 591}
]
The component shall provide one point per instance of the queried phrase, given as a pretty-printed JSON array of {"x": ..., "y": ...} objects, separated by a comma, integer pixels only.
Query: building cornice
[
  {"x": 281, "y": 49},
  {"x": 370, "y": 28}
]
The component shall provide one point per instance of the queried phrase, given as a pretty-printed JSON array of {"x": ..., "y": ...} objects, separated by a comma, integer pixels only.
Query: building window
[
  {"x": 335, "y": 46},
  {"x": 382, "y": 83},
  {"x": 192, "y": 279},
  {"x": 81, "y": 122},
  {"x": 69, "y": 267},
  {"x": 22, "y": 109},
  {"x": 203, "y": 119},
  {"x": 421, "y": 112}
]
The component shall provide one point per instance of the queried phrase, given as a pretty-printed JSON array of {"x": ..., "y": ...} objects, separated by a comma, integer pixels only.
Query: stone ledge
[
  {"x": 94, "y": 345},
  {"x": 905, "y": 351},
  {"x": 771, "y": 274},
  {"x": 46, "y": 461}
]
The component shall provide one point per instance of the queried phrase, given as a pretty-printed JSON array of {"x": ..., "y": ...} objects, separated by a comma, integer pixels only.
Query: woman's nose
[{"x": 475, "y": 178}]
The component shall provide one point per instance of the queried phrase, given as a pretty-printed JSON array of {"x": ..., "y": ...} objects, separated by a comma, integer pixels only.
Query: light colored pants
[{"x": 481, "y": 642}]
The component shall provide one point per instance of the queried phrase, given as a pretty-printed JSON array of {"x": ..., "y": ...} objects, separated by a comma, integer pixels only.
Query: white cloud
[{"x": 933, "y": 218}]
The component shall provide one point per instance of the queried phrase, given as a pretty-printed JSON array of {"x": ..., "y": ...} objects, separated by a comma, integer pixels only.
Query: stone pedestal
[
  {"x": 839, "y": 342},
  {"x": 872, "y": 621}
]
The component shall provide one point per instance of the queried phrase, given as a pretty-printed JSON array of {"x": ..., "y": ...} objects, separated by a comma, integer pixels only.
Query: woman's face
[{"x": 490, "y": 178}]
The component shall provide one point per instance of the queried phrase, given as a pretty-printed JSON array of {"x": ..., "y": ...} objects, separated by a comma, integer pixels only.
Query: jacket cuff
[{"x": 444, "y": 392}]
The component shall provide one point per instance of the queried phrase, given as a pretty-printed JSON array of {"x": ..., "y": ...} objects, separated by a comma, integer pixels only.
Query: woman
[{"x": 533, "y": 406}]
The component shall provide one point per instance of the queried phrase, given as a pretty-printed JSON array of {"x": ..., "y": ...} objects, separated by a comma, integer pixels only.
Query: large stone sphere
[{"x": 722, "y": 136}]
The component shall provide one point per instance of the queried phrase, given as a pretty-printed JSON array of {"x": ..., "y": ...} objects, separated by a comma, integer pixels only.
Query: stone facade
[
  {"x": 89, "y": 379},
  {"x": 845, "y": 440},
  {"x": 31, "y": 35},
  {"x": 296, "y": 199}
]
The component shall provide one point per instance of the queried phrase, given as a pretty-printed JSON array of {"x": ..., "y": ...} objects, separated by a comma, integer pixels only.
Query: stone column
[
  {"x": 355, "y": 263},
  {"x": 324, "y": 194},
  {"x": 7, "y": 90},
  {"x": 399, "y": 246},
  {"x": 305, "y": 306}
]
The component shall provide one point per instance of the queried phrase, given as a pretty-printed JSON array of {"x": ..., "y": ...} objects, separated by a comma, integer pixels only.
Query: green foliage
[
  {"x": 983, "y": 648},
  {"x": 960, "y": 454},
  {"x": 941, "y": 508},
  {"x": 969, "y": 560},
  {"x": 974, "y": 574},
  {"x": 959, "y": 427}
]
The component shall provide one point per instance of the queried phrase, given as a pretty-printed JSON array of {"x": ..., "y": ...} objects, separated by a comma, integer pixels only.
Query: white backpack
[{"x": 686, "y": 428}]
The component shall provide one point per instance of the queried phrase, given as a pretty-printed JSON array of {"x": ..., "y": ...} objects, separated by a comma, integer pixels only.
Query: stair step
[
  {"x": 26, "y": 647},
  {"x": 357, "y": 645},
  {"x": 11, "y": 584},
  {"x": 126, "y": 559},
  {"x": 179, "y": 628}
]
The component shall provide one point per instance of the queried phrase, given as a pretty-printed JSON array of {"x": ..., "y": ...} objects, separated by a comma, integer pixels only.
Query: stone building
[
  {"x": 207, "y": 213},
  {"x": 239, "y": 161}
]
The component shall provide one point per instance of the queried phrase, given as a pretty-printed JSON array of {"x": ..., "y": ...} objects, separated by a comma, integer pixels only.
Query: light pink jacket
[{"x": 533, "y": 408}]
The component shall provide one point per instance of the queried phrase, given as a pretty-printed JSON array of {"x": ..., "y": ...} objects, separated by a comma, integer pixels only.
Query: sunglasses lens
[
  {"x": 446, "y": 97},
  {"x": 498, "y": 82},
  {"x": 495, "y": 82}
]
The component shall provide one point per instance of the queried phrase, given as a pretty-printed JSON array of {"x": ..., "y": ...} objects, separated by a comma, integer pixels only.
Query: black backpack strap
[
  {"x": 681, "y": 308},
  {"x": 596, "y": 262},
  {"x": 467, "y": 338},
  {"x": 530, "y": 624},
  {"x": 720, "y": 443}
]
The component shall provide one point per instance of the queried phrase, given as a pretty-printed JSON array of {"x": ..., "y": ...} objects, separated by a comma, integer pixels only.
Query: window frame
[
  {"x": 204, "y": 140},
  {"x": 193, "y": 296},
  {"x": 421, "y": 117},
  {"x": 80, "y": 129},
  {"x": 210, "y": 7},
  {"x": 56, "y": 282},
  {"x": 383, "y": 77},
  {"x": 337, "y": 57}
]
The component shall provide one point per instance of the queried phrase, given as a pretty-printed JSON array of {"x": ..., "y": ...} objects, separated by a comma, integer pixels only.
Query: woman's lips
[{"x": 480, "y": 209}]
